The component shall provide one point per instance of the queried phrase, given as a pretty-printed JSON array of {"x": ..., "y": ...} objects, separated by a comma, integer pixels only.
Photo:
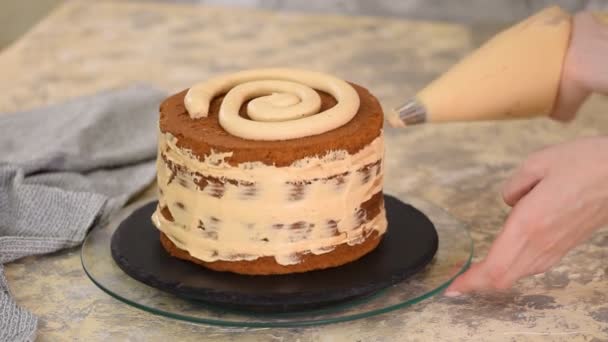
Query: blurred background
[{"x": 17, "y": 16}]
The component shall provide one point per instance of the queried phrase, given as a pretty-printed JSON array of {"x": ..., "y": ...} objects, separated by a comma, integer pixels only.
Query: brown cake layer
[
  {"x": 201, "y": 181},
  {"x": 205, "y": 134},
  {"x": 341, "y": 255}
]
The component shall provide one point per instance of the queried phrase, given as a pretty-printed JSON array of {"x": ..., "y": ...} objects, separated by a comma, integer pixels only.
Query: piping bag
[{"x": 514, "y": 75}]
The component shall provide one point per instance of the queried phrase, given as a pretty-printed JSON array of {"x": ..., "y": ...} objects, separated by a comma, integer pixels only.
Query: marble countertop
[{"x": 83, "y": 47}]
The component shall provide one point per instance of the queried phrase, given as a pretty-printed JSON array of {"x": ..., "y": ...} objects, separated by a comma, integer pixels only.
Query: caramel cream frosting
[
  {"x": 285, "y": 104},
  {"x": 243, "y": 212}
]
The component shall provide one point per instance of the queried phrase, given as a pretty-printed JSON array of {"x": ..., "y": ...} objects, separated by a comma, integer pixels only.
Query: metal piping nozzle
[{"x": 411, "y": 112}]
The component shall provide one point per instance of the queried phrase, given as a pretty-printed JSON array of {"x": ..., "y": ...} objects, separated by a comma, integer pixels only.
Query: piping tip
[{"x": 411, "y": 112}]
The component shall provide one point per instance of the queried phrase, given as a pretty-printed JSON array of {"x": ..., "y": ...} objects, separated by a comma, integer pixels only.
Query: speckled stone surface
[
  {"x": 461, "y": 10},
  {"x": 87, "y": 46}
]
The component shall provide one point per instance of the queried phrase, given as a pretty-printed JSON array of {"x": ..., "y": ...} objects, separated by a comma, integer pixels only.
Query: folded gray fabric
[{"x": 65, "y": 169}]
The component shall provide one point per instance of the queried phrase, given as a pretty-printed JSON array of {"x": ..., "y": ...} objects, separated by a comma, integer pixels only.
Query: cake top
[
  {"x": 205, "y": 136},
  {"x": 284, "y": 104}
]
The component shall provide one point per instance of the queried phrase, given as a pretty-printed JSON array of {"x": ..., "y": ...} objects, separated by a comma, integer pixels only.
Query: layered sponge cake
[{"x": 270, "y": 171}]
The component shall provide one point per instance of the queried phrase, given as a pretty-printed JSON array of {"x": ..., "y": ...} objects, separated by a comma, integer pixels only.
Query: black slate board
[{"x": 409, "y": 244}]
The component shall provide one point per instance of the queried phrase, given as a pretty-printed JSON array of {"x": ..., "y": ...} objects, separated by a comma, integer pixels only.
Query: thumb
[
  {"x": 584, "y": 68},
  {"x": 570, "y": 97}
]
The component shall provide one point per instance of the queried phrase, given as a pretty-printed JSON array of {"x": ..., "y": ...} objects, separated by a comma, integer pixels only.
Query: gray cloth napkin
[{"x": 65, "y": 169}]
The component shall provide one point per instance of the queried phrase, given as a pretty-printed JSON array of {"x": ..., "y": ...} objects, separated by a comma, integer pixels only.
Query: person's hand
[
  {"x": 559, "y": 197},
  {"x": 584, "y": 69}
]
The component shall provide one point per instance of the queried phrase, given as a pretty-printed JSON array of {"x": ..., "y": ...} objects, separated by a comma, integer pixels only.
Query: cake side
[
  {"x": 223, "y": 212},
  {"x": 265, "y": 265}
]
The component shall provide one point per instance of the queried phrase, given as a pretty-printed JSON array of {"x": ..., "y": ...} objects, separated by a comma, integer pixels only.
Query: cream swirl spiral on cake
[{"x": 285, "y": 104}]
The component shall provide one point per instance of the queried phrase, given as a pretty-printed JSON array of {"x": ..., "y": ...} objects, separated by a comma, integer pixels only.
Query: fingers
[
  {"x": 520, "y": 184},
  {"x": 490, "y": 275},
  {"x": 512, "y": 255},
  {"x": 527, "y": 176},
  {"x": 471, "y": 280},
  {"x": 475, "y": 279},
  {"x": 566, "y": 204},
  {"x": 494, "y": 273},
  {"x": 497, "y": 272}
]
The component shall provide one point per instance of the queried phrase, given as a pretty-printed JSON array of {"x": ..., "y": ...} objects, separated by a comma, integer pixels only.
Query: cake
[{"x": 270, "y": 171}]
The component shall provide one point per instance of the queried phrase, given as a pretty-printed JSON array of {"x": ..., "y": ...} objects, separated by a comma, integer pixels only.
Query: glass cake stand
[{"x": 452, "y": 258}]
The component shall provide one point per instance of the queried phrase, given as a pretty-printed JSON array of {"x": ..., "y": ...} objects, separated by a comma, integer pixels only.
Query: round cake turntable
[{"x": 416, "y": 259}]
